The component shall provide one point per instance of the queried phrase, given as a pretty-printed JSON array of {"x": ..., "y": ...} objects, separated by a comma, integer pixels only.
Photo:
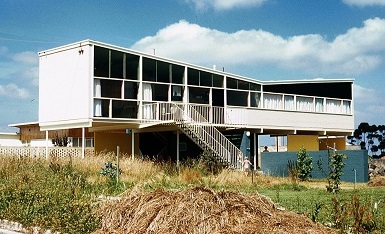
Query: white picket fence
[{"x": 39, "y": 152}]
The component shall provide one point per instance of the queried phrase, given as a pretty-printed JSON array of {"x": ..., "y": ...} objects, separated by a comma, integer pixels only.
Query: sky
[{"x": 259, "y": 39}]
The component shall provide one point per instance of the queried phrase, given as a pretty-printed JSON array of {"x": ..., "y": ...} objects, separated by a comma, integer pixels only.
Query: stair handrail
[{"x": 180, "y": 115}]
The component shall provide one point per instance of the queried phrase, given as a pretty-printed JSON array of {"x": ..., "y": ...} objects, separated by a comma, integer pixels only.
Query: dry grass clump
[{"x": 200, "y": 210}]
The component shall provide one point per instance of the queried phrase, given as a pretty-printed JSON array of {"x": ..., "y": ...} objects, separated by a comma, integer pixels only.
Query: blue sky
[{"x": 260, "y": 39}]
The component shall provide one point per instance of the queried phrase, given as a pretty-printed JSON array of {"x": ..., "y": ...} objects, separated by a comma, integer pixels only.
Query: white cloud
[
  {"x": 26, "y": 57},
  {"x": 368, "y": 105},
  {"x": 13, "y": 91},
  {"x": 363, "y": 3},
  {"x": 224, "y": 4},
  {"x": 356, "y": 51}
]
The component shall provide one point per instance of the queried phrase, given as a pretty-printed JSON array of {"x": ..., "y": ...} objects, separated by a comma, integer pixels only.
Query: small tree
[
  {"x": 335, "y": 170},
  {"x": 304, "y": 164}
]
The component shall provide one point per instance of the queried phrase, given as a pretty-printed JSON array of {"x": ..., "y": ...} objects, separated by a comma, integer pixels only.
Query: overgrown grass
[{"x": 62, "y": 195}]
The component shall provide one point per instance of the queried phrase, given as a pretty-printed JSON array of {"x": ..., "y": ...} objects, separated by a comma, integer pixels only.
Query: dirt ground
[{"x": 201, "y": 210}]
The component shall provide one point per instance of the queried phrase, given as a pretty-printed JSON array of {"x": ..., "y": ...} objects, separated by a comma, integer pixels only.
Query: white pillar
[
  {"x": 177, "y": 148},
  {"x": 46, "y": 144},
  {"x": 83, "y": 141},
  {"x": 255, "y": 150},
  {"x": 132, "y": 144}
]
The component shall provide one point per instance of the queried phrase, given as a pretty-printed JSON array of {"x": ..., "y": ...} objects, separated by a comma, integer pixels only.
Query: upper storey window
[
  {"x": 233, "y": 83},
  {"x": 202, "y": 78},
  {"x": 115, "y": 64}
]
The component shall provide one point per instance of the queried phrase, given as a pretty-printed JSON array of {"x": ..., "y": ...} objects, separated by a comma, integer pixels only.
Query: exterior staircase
[{"x": 205, "y": 135}]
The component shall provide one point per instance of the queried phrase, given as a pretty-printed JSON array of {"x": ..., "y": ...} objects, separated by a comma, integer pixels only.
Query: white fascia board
[
  {"x": 66, "y": 124},
  {"x": 17, "y": 125},
  {"x": 316, "y": 80}
]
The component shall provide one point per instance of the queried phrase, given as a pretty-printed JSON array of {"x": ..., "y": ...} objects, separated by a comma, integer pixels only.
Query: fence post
[{"x": 117, "y": 163}]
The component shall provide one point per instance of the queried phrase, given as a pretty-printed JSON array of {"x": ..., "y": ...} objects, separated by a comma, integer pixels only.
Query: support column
[
  {"x": 46, "y": 144},
  {"x": 177, "y": 148},
  {"x": 255, "y": 151},
  {"x": 83, "y": 142},
  {"x": 132, "y": 144}
]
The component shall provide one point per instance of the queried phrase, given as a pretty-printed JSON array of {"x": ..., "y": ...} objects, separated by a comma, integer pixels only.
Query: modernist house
[{"x": 152, "y": 105}]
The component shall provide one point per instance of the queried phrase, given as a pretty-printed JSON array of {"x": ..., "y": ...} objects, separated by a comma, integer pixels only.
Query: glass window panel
[
  {"x": 255, "y": 87},
  {"x": 163, "y": 72},
  {"x": 102, "y": 107},
  {"x": 237, "y": 98},
  {"x": 111, "y": 88},
  {"x": 232, "y": 83},
  {"x": 243, "y": 85},
  {"x": 160, "y": 92},
  {"x": 272, "y": 101},
  {"x": 177, "y": 74},
  {"x": 149, "y": 69},
  {"x": 319, "y": 105},
  {"x": 347, "y": 107},
  {"x": 217, "y": 81},
  {"x": 289, "y": 103},
  {"x": 130, "y": 90},
  {"x": 177, "y": 93},
  {"x": 199, "y": 95},
  {"x": 333, "y": 106},
  {"x": 206, "y": 79},
  {"x": 218, "y": 97},
  {"x": 255, "y": 99},
  {"x": 124, "y": 109},
  {"x": 132, "y": 66},
  {"x": 193, "y": 76},
  {"x": 304, "y": 104},
  {"x": 101, "y": 62},
  {"x": 116, "y": 64}
]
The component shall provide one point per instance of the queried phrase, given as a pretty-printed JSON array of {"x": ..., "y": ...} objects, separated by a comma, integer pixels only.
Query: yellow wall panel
[
  {"x": 107, "y": 142},
  {"x": 295, "y": 142},
  {"x": 339, "y": 142}
]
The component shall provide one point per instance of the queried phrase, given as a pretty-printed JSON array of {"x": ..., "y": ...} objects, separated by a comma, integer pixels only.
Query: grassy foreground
[{"x": 64, "y": 195}]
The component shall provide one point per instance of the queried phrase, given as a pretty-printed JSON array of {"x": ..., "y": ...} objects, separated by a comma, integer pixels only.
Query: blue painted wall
[{"x": 275, "y": 164}]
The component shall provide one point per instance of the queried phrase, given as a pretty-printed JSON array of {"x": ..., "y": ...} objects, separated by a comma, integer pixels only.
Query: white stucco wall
[
  {"x": 290, "y": 120},
  {"x": 10, "y": 139},
  {"x": 65, "y": 85}
]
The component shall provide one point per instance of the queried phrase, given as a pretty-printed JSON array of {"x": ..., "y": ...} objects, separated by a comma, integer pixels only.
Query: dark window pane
[
  {"x": 218, "y": 97},
  {"x": 255, "y": 99},
  {"x": 163, "y": 74},
  {"x": 124, "y": 109},
  {"x": 243, "y": 85},
  {"x": 177, "y": 93},
  {"x": 231, "y": 83},
  {"x": 116, "y": 64},
  {"x": 132, "y": 65},
  {"x": 206, "y": 79},
  {"x": 177, "y": 74},
  {"x": 111, "y": 88},
  {"x": 193, "y": 76},
  {"x": 199, "y": 95},
  {"x": 101, "y": 62},
  {"x": 217, "y": 81},
  {"x": 160, "y": 92},
  {"x": 149, "y": 69},
  {"x": 255, "y": 87},
  {"x": 236, "y": 98},
  {"x": 130, "y": 90}
]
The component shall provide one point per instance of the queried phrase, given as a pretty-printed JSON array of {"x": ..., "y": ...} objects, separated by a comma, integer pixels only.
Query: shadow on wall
[{"x": 275, "y": 164}]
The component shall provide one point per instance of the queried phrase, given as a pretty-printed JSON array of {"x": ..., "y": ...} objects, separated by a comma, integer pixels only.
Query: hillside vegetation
[{"x": 73, "y": 196}]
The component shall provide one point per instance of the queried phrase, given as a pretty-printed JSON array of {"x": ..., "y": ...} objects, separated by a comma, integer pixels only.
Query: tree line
[{"x": 371, "y": 138}]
